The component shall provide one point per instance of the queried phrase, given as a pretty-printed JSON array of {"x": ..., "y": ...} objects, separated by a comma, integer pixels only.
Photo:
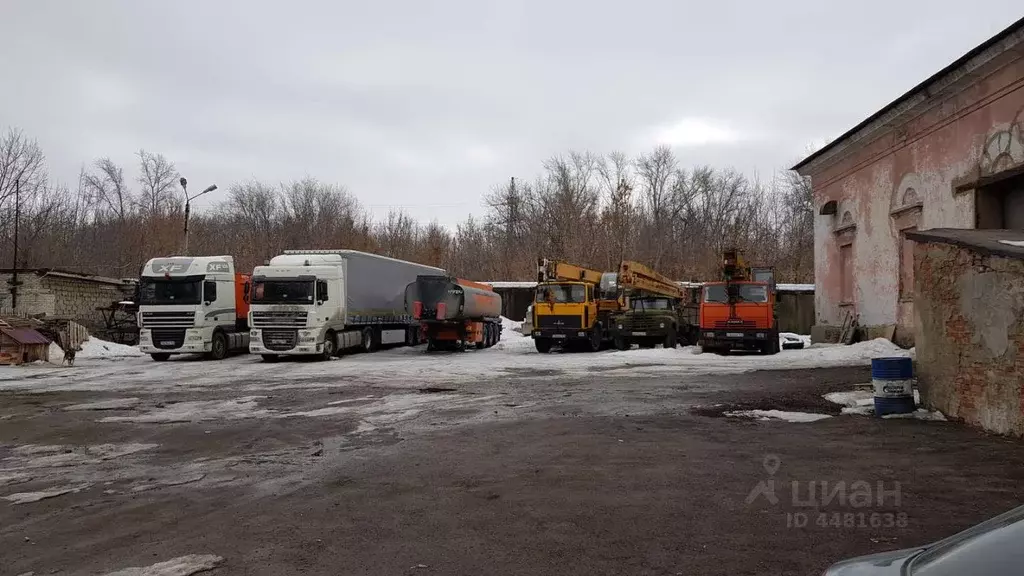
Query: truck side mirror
[
  {"x": 209, "y": 291},
  {"x": 321, "y": 292}
]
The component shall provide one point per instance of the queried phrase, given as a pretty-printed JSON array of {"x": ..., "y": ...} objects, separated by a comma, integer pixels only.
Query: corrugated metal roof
[{"x": 25, "y": 335}]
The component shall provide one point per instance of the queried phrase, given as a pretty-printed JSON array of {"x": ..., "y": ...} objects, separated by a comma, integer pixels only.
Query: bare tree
[{"x": 157, "y": 180}]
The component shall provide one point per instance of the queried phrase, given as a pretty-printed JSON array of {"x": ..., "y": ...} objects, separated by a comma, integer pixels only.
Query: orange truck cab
[{"x": 739, "y": 315}]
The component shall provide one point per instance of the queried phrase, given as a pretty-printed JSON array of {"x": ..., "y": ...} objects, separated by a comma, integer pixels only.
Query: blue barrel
[{"x": 893, "y": 381}]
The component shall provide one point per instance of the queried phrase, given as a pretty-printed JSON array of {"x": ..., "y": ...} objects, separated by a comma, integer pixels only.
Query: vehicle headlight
[
  {"x": 709, "y": 334},
  {"x": 760, "y": 334},
  {"x": 254, "y": 333},
  {"x": 662, "y": 325},
  {"x": 194, "y": 337},
  {"x": 619, "y": 326}
]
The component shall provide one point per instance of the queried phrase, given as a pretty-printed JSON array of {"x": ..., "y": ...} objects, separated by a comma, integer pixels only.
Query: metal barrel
[{"x": 893, "y": 381}]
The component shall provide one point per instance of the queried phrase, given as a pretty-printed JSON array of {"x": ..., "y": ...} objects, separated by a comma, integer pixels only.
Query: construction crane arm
[
  {"x": 554, "y": 271},
  {"x": 636, "y": 276}
]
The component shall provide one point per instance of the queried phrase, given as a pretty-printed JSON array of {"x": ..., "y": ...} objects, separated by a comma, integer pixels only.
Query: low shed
[
  {"x": 969, "y": 330},
  {"x": 22, "y": 345}
]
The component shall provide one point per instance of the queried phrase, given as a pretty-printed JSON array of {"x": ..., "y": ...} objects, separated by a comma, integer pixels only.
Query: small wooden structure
[{"x": 20, "y": 345}]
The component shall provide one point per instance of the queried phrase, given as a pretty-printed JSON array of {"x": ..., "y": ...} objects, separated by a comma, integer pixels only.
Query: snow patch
[
  {"x": 199, "y": 411},
  {"x": 180, "y": 566},
  {"x": 1017, "y": 243},
  {"x": 852, "y": 399},
  {"x": 28, "y": 497},
  {"x": 919, "y": 414},
  {"x": 94, "y": 348},
  {"x": 112, "y": 404},
  {"x": 778, "y": 414},
  {"x": 32, "y": 456}
]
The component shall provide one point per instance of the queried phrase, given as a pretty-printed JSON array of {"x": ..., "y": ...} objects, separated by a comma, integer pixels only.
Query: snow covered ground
[{"x": 514, "y": 357}]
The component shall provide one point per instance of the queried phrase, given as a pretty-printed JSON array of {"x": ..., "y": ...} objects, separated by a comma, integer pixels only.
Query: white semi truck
[
  {"x": 320, "y": 302},
  {"x": 193, "y": 305}
]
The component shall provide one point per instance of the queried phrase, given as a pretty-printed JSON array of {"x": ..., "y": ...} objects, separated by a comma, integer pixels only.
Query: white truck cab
[
  {"x": 319, "y": 302},
  {"x": 192, "y": 305}
]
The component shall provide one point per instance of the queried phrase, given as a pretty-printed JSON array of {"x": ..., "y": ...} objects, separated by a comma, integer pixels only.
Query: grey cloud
[{"x": 426, "y": 105}]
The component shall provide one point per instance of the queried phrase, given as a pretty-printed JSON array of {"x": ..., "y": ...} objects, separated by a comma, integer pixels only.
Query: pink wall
[{"x": 971, "y": 128}]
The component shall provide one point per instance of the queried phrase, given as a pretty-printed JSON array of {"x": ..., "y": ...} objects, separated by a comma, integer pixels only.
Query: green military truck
[
  {"x": 659, "y": 311},
  {"x": 651, "y": 320}
]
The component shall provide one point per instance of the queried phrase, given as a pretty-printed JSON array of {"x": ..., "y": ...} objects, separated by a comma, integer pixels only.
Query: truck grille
[
  {"x": 279, "y": 340},
  {"x": 724, "y": 324},
  {"x": 262, "y": 318},
  {"x": 168, "y": 339},
  {"x": 558, "y": 321},
  {"x": 643, "y": 323},
  {"x": 168, "y": 319}
]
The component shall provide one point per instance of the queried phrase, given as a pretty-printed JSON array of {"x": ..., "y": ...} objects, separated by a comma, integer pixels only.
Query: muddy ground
[{"x": 518, "y": 474}]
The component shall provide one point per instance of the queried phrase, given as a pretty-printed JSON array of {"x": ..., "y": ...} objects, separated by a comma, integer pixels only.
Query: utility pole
[
  {"x": 17, "y": 219},
  {"x": 188, "y": 201}
]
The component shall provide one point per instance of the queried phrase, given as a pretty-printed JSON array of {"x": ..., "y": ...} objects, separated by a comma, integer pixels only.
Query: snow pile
[
  {"x": 860, "y": 402},
  {"x": 778, "y": 415},
  {"x": 56, "y": 354},
  {"x": 94, "y": 348},
  {"x": 510, "y": 326},
  {"x": 1017, "y": 243},
  {"x": 785, "y": 337},
  {"x": 919, "y": 414},
  {"x": 181, "y": 566}
]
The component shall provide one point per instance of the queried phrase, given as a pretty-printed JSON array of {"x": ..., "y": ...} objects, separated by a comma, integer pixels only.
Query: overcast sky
[{"x": 426, "y": 105}]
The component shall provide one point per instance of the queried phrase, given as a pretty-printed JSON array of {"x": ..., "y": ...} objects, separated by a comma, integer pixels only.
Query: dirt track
[{"x": 516, "y": 475}]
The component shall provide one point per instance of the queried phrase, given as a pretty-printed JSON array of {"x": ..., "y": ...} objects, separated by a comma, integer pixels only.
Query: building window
[
  {"x": 1000, "y": 204},
  {"x": 846, "y": 273},
  {"x": 906, "y": 265}
]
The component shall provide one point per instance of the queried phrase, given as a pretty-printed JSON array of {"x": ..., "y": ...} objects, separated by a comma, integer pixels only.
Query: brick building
[
  {"x": 60, "y": 294},
  {"x": 947, "y": 154},
  {"x": 969, "y": 303}
]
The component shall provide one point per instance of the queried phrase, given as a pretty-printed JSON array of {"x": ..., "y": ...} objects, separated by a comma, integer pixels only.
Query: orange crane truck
[
  {"x": 738, "y": 313},
  {"x": 454, "y": 313}
]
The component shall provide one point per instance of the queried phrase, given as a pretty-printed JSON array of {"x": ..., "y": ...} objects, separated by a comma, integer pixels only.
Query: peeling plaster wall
[
  {"x": 971, "y": 128},
  {"x": 970, "y": 335}
]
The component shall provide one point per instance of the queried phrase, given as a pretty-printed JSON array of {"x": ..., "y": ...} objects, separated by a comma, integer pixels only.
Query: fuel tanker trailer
[{"x": 454, "y": 313}]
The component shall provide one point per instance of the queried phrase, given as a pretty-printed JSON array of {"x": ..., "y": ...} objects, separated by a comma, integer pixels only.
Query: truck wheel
[
  {"x": 670, "y": 339},
  {"x": 160, "y": 356},
  {"x": 484, "y": 338},
  {"x": 330, "y": 347},
  {"x": 594, "y": 344},
  {"x": 621, "y": 343},
  {"x": 543, "y": 345},
  {"x": 219, "y": 347},
  {"x": 270, "y": 357},
  {"x": 368, "y": 345},
  {"x": 774, "y": 347}
]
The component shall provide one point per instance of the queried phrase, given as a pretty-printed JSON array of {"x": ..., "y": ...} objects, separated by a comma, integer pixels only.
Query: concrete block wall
[
  {"x": 33, "y": 297},
  {"x": 970, "y": 335},
  {"x": 63, "y": 297}
]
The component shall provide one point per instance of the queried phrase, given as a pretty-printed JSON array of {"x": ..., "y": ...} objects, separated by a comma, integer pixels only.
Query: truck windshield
[
  {"x": 744, "y": 293},
  {"x": 283, "y": 292},
  {"x": 753, "y": 293},
  {"x": 156, "y": 291},
  {"x": 651, "y": 304},
  {"x": 562, "y": 293},
  {"x": 716, "y": 293}
]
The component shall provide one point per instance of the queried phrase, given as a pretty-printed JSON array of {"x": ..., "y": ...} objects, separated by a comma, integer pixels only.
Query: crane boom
[
  {"x": 554, "y": 271},
  {"x": 636, "y": 276}
]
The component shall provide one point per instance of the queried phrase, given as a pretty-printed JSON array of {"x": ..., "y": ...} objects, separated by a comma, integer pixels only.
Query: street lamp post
[{"x": 188, "y": 201}]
